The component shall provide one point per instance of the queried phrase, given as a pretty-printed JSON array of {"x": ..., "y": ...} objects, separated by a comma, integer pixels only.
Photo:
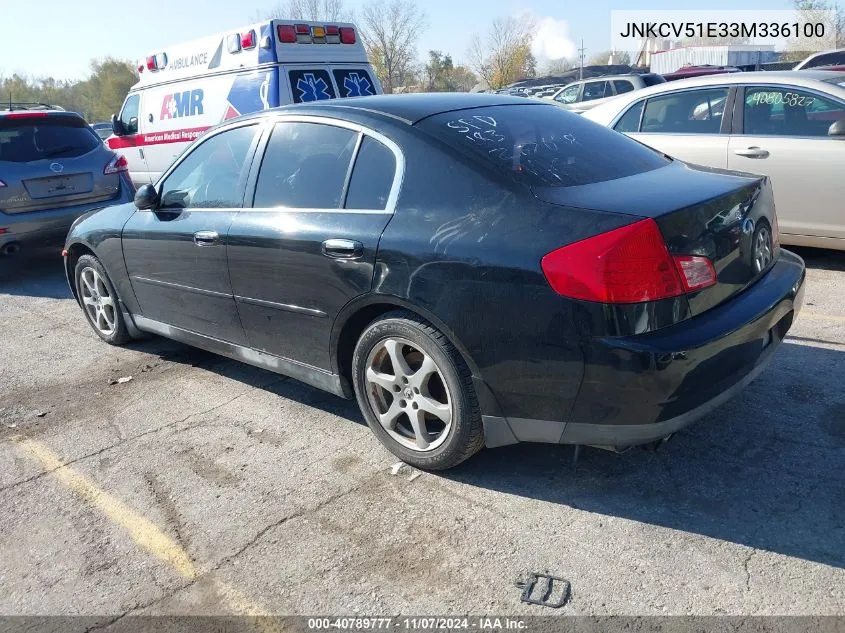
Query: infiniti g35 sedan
[{"x": 473, "y": 269}]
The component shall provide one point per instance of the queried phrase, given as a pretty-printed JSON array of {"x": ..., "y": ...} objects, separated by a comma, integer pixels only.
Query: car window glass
[
  {"x": 305, "y": 166},
  {"x": 311, "y": 85},
  {"x": 788, "y": 112},
  {"x": 595, "y": 90},
  {"x": 569, "y": 95},
  {"x": 630, "y": 121},
  {"x": 45, "y": 138},
  {"x": 829, "y": 59},
  {"x": 688, "y": 112},
  {"x": 130, "y": 112},
  {"x": 542, "y": 146},
  {"x": 372, "y": 176},
  {"x": 622, "y": 86},
  {"x": 210, "y": 175}
]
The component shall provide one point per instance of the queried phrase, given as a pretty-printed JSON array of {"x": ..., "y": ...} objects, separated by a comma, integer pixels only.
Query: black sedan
[{"x": 474, "y": 269}]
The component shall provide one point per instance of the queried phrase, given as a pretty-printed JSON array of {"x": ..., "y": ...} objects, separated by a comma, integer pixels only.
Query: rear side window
[
  {"x": 305, "y": 166},
  {"x": 354, "y": 83},
  {"x": 630, "y": 121},
  {"x": 788, "y": 112},
  {"x": 372, "y": 176},
  {"x": 689, "y": 112},
  {"x": 596, "y": 90},
  {"x": 45, "y": 137},
  {"x": 622, "y": 86},
  {"x": 311, "y": 85},
  {"x": 542, "y": 145}
]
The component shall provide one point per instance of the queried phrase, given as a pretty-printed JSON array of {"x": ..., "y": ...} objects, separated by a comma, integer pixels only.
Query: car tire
[
  {"x": 413, "y": 401},
  {"x": 99, "y": 301}
]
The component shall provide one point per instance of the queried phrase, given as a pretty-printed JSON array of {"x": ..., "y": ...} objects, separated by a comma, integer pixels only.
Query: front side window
[
  {"x": 311, "y": 85},
  {"x": 305, "y": 166},
  {"x": 622, "y": 86},
  {"x": 542, "y": 145},
  {"x": 689, "y": 112},
  {"x": 596, "y": 90},
  {"x": 782, "y": 111},
  {"x": 569, "y": 95},
  {"x": 211, "y": 174},
  {"x": 129, "y": 114}
]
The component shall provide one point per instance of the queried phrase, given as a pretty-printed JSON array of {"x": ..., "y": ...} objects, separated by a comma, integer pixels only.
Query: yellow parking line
[
  {"x": 821, "y": 317},
  {"x": 144, "y": 532}
]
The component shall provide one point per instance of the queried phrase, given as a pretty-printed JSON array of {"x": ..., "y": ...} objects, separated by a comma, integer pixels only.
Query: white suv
[{"x": 582, "y": 95}]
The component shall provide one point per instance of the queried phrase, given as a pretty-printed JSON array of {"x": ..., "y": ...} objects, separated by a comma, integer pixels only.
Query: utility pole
[{"x": 581, "y": 52}]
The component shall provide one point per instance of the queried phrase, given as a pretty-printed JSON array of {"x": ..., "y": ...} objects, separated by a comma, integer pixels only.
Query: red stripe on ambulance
[{"x": 184, "y": 135}]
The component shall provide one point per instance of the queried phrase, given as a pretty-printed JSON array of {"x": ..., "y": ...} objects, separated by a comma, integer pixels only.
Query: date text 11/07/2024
[{"x": 359, "y": 623}]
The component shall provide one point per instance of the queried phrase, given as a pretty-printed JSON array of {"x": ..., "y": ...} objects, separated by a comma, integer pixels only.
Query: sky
[{"x": 59, "y": 37}]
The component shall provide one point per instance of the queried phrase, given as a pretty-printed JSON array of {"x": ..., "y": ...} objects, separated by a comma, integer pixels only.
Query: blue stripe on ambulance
[{"x": 253, "y": 92}]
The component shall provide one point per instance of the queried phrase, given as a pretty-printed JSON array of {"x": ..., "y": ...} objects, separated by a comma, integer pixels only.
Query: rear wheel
[
  {"x": 416, "y": 392},
  {"x": 99, "y": 301},
  {"x": 762, "y": 248}
]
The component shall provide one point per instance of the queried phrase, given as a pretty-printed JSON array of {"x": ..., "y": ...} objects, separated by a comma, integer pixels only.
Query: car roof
[
  {"x": 38, "y": 113},
  {"x": 407, "y": 108},
  {"x": 802, "y": 79}
]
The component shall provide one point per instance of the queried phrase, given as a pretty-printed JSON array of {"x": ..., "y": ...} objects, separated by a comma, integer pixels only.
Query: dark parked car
[
  {"x": 53, "y": 169},
  {"x": 472, "y": 268},
  {"x": 102, "y": 129}
]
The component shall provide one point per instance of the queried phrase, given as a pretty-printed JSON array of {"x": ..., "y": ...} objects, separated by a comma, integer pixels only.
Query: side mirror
[
  {"x": 146, "y": 197},
  {"x": 117, "y": 126},
  {"x": 837, "y": 128}
]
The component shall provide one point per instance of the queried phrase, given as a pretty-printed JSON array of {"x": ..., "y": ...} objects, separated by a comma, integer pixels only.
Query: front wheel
[
  {"x": 99, "y": 301},
  {"x": 416, "y": 392}
]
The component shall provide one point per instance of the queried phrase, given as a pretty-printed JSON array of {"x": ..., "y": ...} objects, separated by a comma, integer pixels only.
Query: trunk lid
[{"x": 727, "y": 217}]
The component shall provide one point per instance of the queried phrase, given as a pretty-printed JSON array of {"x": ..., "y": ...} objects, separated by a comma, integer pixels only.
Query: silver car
[
  {"x": 786, "y": 125},
  {"x": 53, "y": 169}
]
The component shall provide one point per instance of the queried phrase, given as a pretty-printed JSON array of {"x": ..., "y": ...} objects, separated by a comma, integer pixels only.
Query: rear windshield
[
  {"x": 44, "y": 137},
  {"x": 543, "y": 146}
]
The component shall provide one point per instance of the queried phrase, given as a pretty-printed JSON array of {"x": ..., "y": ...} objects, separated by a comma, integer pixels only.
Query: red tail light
[
  {"x": 116, "y": 165},
  {"x": 347, "y": 35},
  {"x": 302, "y": 29},
  {"x": 287, "y": 34},
  {"x": 627, "y": 265},
  {"x": 4, "y": 231}
]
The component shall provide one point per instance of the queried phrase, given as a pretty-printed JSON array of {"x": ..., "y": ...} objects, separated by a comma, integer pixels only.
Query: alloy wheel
[
  {"x": 98, "y": 301},
  {"x": 762, "y": 249},
  {"x": 408, "y": 394}
]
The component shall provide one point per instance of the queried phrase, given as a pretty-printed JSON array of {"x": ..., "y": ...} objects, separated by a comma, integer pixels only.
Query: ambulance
[{"x": 186, "y": 89}]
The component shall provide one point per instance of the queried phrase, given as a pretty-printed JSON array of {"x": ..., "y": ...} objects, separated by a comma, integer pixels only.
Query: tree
[
  {"x": 95, "y": 98},
  {"x": 441, "y": 75},
  {"x": 812, "y": 11},
  {"x": 557, "y": 66},
  {"x": 389, "y": 31},
  {"x": 504, "y": 55},
  {"x": 310, "y": 10}
]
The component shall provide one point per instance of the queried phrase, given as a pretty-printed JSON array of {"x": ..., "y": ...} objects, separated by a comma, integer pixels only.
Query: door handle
[
  {"x": 752, "y": 152},
  {"x": 343, "y": 249},
  {"x": 206, "y": 238}
]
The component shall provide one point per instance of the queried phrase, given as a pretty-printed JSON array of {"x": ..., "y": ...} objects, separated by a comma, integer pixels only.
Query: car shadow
[
  {"x": 764, "y": 470},
  {"x": 35, "y": 273},
  {"x": 820, "y": 258}
]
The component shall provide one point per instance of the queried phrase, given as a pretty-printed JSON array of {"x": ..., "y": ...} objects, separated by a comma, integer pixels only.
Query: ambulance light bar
[{"x": 304, "y": 34}]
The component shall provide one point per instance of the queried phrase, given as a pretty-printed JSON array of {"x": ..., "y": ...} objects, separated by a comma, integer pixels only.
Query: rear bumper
[
  {"x": 50, "y": 227},
  {"x": 642, "y": 388}
]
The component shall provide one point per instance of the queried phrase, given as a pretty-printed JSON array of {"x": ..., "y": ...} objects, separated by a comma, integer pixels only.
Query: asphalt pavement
[{"x": 205, "y": 486}]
